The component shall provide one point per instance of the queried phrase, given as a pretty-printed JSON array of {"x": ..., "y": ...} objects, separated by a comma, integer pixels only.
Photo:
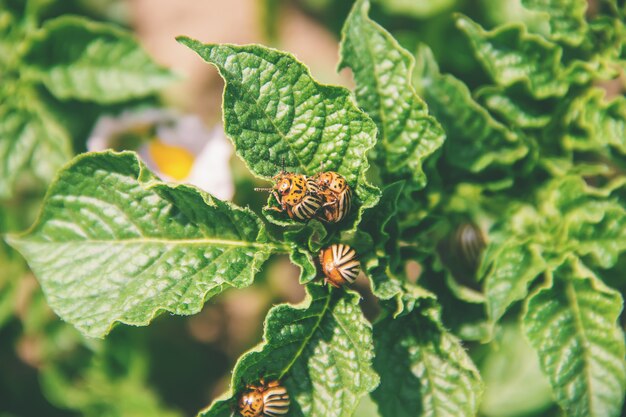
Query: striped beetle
[
  {"x": 267, "y": 399},
  {"x": 336, "y": 195},
  {"x": 339, "y": 265},
  {"x": 296, "y": 194}
]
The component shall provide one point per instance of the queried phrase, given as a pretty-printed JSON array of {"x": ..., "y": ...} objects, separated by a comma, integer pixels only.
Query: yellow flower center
[{"x": 173, "y": 161}]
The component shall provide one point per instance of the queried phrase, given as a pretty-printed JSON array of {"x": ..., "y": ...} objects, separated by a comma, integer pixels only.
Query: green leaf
[
  {"x": 114, "y": 244},
  {"x": 382, "y": 70},
  {"x": 592, "y": 121},
  {"x": 567, "y": 18},
  {"x": 381, "y": 259},
  {"x": 274, "y": 109},
  {"x": 513, "y": 265},
  {"x": 512, "y": 55},
  {"x": 515, "y": 108},
  {"x": 306, "y": 243},
  {"x": 31, "y": 141},
  {"x": 475, "y": 140},
  {"x": 572, "y": 323},
  {"x": 321, "y": 351},
  {"x": 424, "y": 370},
  {"x": 77, "y": 58}
]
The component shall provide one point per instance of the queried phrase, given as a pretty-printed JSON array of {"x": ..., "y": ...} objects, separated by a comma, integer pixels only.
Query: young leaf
[
  {"x": 274, "y": 109},
  {"x": 572, "y": 323},
  {"x": 514, "y": 108},
  {"x": 81, "y": 59},
  {"x": 592, "y": 122},
  {"x": 321, "y": 351},
  {"x": 513, "y": 265},
  {"x": 30, "y": 142},
  {"x": 382, "y": 71},
  {"x": 475, "y": 141},
  {"x": 424, "y": 370},
  {"x": 567, "y": 18},
  {"x": 114, "y": 244},
  {"x": 512, "y": 55}
]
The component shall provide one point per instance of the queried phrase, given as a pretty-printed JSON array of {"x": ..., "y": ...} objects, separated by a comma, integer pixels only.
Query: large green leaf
[
  {"x": 81, "y": 59},
  {"x": 321, "y": 351},
  {"x": 512, "y": 55},
  {"x": 572, "y": 323},
  {"x": 567, "y": 18},
  {"x": 31, "y": 141},
  {"x": 114, "y": 244},
  {"x": 475, "y": 140},
  {"x": 382, "y": 70},
  {"x": 274, "y": 109},
  {"x": 424, "y": 370}
]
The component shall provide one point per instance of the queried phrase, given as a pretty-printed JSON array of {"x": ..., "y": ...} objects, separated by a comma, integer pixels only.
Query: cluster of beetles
[{"x": 328, "y": 197}]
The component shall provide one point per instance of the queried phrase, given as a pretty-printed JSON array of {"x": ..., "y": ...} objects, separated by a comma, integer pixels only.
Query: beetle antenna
[
  {"x": 283, "y": 165},
  {"x": 262, "y": 189}
]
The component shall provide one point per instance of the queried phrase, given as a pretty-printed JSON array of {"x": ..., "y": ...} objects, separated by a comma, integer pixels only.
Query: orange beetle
[{"x": 339, "y": 265}]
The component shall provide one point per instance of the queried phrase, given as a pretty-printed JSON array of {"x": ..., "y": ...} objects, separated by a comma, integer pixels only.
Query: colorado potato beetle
[
  {"x": 336, "y": 195},
  {"x": 339, "y": 265},
  {"x": 267, "y": 399},
  {"x": 296, "y": 194},
  {"x": 461, "y": 252},
  {"x": 469, "y": 244}
]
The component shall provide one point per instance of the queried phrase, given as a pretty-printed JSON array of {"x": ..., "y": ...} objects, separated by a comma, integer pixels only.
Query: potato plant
[{"x": 506, "y": 193}]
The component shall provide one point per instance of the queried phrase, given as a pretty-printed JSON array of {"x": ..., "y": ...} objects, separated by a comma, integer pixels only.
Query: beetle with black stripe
[
  {"x": 339, "y": 265},
  {"x": 296, "y": 194},
  {"x": 265, "y": 400},
  {"x": 336, "y": 195}
]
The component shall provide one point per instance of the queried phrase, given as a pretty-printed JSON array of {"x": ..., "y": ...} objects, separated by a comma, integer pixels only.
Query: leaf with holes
[
  {"x": 382, "y": 71},
  {"x": 81, "y": 59},
  {"x": 114, "y": 244},
  {"x": 572, "y": 323},
  {"x": 321, "y": 351},
  {"x": 274, "y": 109}
]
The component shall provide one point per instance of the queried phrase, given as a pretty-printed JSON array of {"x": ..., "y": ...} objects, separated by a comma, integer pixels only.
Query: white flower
[{"x": 176, "y": 147}]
